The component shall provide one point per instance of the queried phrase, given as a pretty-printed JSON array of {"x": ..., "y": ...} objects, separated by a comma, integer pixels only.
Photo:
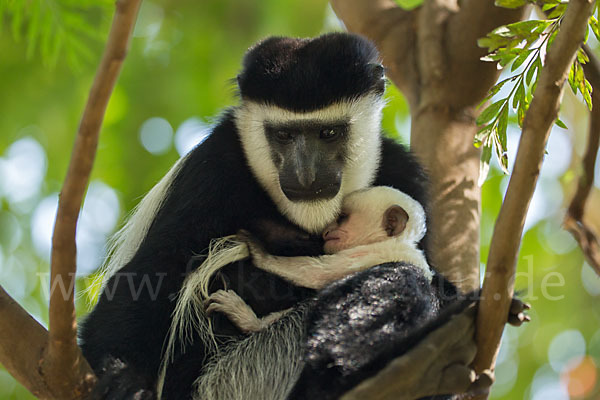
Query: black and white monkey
[
  {"x": 377, "y": 225},
  {"x": 305, "y": 134}
]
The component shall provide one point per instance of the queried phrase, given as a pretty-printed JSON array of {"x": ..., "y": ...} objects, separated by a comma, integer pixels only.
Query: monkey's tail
[{"x": 189, "y": 316}]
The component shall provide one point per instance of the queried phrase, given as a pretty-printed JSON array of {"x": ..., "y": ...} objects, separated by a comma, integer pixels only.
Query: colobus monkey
[
  {"x": 376, "y": 226},
  {"x": 305, "y": 134}
]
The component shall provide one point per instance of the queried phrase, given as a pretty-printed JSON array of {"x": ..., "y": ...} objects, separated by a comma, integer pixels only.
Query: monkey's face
[
  {"x": 309, "y": 156},
  {"x": 353, "y": 228},
  {"x": 308, "y": 161}
]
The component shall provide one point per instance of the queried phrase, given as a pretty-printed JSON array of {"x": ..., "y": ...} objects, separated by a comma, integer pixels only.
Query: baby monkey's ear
[{"x": 394, "y": 220}]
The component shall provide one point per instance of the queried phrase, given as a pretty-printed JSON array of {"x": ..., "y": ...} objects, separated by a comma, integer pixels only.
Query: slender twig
[
  {"x": 498, "y": 286},
  {"x": 60, "y": 371},
  {"x": 63, "y": 353},
  {"x": 574, "y": 219}
]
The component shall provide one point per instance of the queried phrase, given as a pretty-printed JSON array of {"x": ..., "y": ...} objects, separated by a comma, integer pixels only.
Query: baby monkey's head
[{"x": 373, "y": 215}]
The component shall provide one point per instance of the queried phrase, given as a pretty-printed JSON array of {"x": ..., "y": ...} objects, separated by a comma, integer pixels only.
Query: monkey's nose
[
  {"x": 326, "y": 233},
  {"x": 306, "y": 177}
]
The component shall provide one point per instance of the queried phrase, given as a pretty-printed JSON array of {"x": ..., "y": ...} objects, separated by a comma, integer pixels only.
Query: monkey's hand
[
  {"x": 438, "y": 364},
  {"x": 516, "y": 313},
  {"x": 236, "y": 309}
]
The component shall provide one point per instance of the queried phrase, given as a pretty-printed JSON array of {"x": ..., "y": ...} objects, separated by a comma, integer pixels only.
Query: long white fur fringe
[{"x": 189, "y": 317}]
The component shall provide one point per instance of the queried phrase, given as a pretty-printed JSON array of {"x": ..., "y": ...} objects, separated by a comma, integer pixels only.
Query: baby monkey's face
[{"x": 363, "y": 226}]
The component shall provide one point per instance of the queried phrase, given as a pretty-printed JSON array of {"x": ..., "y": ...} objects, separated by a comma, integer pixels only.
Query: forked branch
[
  {"x": 52, "y": 366},
  {"x": 498, "y": 286},
  {"x": 574, "y": 220}
]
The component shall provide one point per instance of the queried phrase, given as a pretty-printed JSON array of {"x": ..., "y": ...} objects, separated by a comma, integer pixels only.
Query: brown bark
[
  {"x": 52, "y": 365},
  {"x": 574, "y": 220},
  {"x": 22, "y": 345},
  {"x": 431, "y": 54},
  {"x": 499, "y": 282}
]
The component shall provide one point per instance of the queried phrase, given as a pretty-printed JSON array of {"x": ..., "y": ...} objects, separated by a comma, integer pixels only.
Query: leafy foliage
[
  {"x": 409, "y": 4},
  {"x": 523, "y": 45},
  {"x": 55, "y": 28}
]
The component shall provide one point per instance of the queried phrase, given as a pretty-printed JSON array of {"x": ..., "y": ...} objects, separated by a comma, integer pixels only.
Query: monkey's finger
[
  {"x": 517, "y": 306},
  {"x": 456, "y": 378},
  {"x": 482, "y": 384},
  {"x": 215, "y": 307},
  {"x": 218, "y": 295},
  {"x": 518, "y": 319}
]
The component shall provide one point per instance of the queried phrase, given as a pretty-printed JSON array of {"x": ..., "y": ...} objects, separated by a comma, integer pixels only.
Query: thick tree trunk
[{"x": 431, "y": 54}]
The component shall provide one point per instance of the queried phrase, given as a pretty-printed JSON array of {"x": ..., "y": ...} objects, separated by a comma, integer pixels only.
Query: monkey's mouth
[
  {"x": 322, "y": 193},
  {"x": 331, "y": 238}
]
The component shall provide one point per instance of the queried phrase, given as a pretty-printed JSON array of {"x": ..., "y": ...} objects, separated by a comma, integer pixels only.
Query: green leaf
[
  {"x": 501, "y": 155},
  {"x": 510, "y": 3},
  {"x": 593, "y": 22},
  {"x": 558, "y": 11},
  {"x": 494, "y": 90},
  {"x": 521, "y": 114},
  {"x": 582, "y": 57},
  {"x": 483, "y": 132},
  {"x": 520, "y": 60},
  {"x": 560, "y": 123},
  {"x": 409, "y": 4},
  {"x": 492, "y": 57},
  {"x": 34, "y": 28},
  {"x": 531, "y": 70},
  {"x": 502, "y": 31},
  {"x": 586, "y": 91},
  {"x": 484, "y": 162},
  {"x": 490, "y": 112},
  {"x": 502, "y": 127},
  {"x": 579, "y": 76},
  {"x": 506, "y": 56},
  {"x": 551, "y": 39},
  {"x": 519, "y": 95},
  {"x": 571, "y": 78},
  {"x": 529, "y": 26}
]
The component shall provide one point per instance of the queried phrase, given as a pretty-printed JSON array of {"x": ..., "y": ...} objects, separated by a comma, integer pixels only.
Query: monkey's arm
[{"x": 316, "y": 272}]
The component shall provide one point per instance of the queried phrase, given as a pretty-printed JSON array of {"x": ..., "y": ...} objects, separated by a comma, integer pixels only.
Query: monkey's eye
[
  {"x": 283, "y": 136},
  {"x": 328, "y": 133},
  {"x": 342, "y": 218}
]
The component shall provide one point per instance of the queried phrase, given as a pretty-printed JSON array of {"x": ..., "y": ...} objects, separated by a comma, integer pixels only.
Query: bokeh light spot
[
  {"x": 22, "y": 170},
  {"x": 190, "y": 133},
  {"x": 580, "y": 377},
  {"x": 566, "y": 347},
  {"x": 156, "y": 135}
]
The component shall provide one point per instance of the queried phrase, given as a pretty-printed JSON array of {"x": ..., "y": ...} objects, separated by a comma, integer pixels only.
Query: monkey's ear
[
  {"x": 394, "y": 220},
  {"x": 377, "y": 70}
]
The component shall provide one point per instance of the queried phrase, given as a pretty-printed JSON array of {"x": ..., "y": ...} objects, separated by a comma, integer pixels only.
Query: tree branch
[
  {"x": 22, "y": 345},
  {"x": 60, "y": 370},
  {"x": 393, "y": 30},
  {"x": 475, "y": 19},
  {"x": 443, "y": 126},
  {"x": 583, "y": 234},
  {"x": 498, "y": 286}
]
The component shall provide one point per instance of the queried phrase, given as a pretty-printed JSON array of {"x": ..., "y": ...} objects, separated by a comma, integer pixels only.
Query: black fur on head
[{"x": 308, "y": 74}]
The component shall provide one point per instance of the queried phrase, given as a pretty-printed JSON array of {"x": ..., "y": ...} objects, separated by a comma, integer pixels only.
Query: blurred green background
[{"x": 175, "y": 80}]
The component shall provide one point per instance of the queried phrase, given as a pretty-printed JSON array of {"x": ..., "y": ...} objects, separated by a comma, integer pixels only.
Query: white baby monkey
[{"x": 376, "y": 225}]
